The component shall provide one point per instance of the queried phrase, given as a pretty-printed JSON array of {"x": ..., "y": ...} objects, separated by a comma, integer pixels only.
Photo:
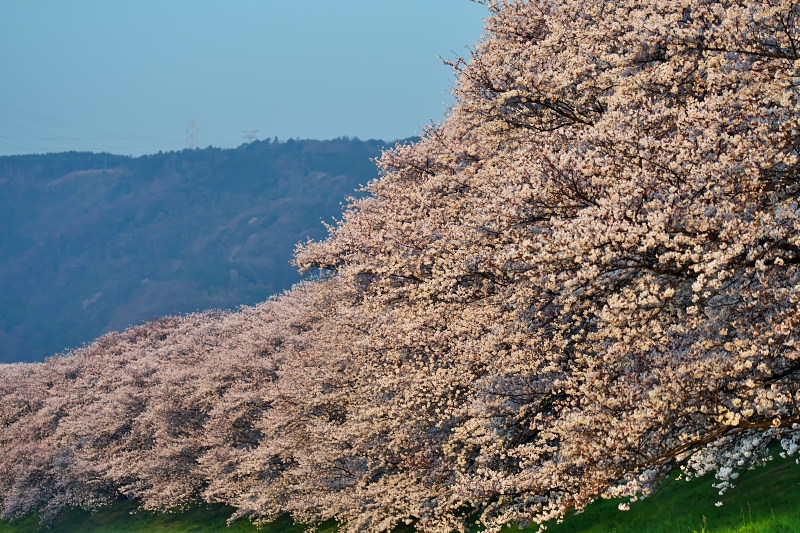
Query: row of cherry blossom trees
[
  {"x": 583, "y": 278},
  {"x": 211, "y": 406}
]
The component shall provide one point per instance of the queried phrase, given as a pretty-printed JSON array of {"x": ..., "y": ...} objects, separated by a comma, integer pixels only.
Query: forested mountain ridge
[{"x": 91, "y": 243}]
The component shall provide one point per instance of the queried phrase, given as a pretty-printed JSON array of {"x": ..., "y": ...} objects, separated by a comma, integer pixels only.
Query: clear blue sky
[{"x": 126, "y": 77}]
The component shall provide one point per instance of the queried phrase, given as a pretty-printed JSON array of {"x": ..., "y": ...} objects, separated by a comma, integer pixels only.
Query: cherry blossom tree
[
  {"x": 588, "y": 274},
  {"x": 179, "y": 410}
]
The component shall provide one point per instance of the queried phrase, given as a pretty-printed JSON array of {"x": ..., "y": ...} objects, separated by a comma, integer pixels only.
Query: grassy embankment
[
  {"x": 123, "y": 517},
  {"x": 766, "y": 500}
]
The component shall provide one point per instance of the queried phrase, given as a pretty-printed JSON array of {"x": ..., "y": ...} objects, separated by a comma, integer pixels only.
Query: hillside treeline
[
  {"x": 91, "y": 243},
  {"x": 586, "y": 277}
]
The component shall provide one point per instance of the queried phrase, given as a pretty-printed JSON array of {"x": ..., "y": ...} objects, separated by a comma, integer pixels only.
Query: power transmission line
[
  {"x": 25, "y": 131},
  {"x": 27, "y": 115}
]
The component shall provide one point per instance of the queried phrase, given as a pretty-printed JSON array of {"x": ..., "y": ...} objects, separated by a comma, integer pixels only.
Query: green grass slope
[
  {"x": 123, "y": 517},
  {"x": 766, "y": 500}
]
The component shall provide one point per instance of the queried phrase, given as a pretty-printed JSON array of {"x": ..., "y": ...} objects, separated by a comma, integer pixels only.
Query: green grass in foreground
[
  {"x": 766, "y": 500},
  {"x": 123, "y": 517}
]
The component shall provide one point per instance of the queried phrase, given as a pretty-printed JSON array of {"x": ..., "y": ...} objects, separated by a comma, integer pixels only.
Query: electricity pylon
[{"x": 191, "y": 140}]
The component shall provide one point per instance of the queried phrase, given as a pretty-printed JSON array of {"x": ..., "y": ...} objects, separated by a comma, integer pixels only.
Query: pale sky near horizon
[{"x": 126, "y": 77}]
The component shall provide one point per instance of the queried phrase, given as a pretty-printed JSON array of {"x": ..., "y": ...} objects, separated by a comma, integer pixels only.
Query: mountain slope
[{"x": 90, "y": 243}]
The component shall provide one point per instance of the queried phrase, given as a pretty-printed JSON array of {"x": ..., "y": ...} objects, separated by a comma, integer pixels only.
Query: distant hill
[{"x": 90, "y": 243}]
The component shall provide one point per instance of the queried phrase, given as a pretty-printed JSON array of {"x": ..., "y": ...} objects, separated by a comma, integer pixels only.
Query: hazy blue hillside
[{"x": 91, "y": 243}]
